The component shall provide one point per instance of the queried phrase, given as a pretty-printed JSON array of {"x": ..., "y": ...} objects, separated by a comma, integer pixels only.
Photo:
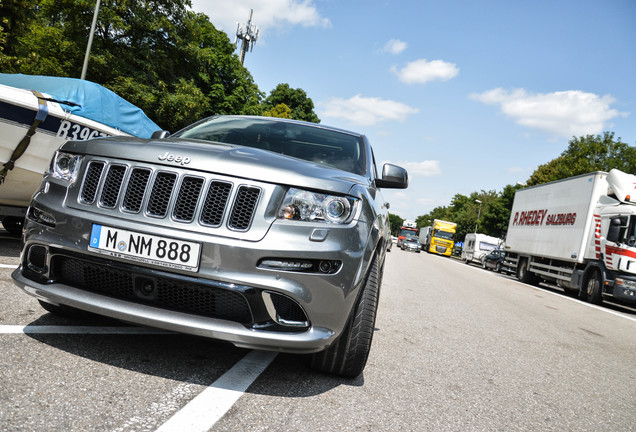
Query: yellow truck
[{"x": 443, "y": 237}]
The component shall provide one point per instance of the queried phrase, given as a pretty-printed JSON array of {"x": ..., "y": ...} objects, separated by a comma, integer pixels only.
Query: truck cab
[{"x": 442, "y": 237}]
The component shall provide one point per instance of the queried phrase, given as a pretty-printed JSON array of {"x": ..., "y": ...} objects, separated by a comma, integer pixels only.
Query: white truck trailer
[
  {"x": 578, "y": 233},
  {"x": 425, "y": 237}
]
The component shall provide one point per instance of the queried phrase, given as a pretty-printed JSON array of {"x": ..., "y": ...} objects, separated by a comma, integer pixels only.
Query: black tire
[
  {"x": 592, "y": 288},
  {"x": 524, "y": 275},
  {"x": 13, "y": 224},
  {"x": 498, "y": 267},
  {"x": 483, "y": 264},
  {"x": 348, "y": 355}
]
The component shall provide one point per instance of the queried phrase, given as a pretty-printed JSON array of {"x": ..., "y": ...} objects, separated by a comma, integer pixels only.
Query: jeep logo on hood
[{"x": 169, "y": 157}]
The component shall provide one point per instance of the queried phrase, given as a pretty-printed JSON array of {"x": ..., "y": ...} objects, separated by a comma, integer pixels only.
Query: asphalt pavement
[{"x": 456, "y": 348}]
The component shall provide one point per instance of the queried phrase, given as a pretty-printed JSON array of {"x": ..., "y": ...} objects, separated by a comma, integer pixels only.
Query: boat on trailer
[{"x": 40, "y": 113}]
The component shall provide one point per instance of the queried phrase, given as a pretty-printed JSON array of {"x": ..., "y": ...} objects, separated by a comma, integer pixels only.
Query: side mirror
[
  {"x": 613, "y": 233},
  {"x": 160, "y": 134},
  {"x": 393, "y": 177}
]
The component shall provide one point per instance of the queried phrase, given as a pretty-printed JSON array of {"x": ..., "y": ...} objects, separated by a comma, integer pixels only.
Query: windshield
[
  {"x": 486, "y": 246},
  {"x": 443, "y": 235},
  {"x": 405, "y": 232},
  {"x": 337, "y": 149}
]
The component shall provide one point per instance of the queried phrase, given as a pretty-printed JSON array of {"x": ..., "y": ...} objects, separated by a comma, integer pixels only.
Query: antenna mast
[{"x": 248, "y": 36}]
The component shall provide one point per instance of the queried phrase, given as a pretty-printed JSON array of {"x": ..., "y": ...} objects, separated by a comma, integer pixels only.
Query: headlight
[
  {"x": 626, "y": 283},
  {"x": 315, "y": 207},
  {"x": 65, "y": 166}
]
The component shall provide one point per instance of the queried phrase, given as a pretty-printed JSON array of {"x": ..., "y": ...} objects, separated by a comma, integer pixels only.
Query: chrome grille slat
[
  {"x": 243, "y": 209},
  {"x": 112, "y": 186},
  {"x": 136, "y": 189},
  {"x": 187, "y": 198},
  {"x": 91, "y": 182},
  {"x": 168, "y": 194},
  {"x": 215, "y": 201},
  {"x": 161, "y": 193}
]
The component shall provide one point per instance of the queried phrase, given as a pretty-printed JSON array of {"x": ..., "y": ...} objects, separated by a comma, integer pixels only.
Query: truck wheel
[
  {"x": 498, "y": 268},
  {"x": 593, "y": 288},
  {"x": 348, "y": 355},
  {"x": 524, "y": 275}
]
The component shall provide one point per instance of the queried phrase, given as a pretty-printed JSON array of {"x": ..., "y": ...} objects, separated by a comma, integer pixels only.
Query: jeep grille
[{"x": 180, "y": 195}]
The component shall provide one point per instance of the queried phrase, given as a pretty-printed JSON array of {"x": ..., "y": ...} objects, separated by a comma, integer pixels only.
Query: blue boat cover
[{"x": 89, "y": 100}]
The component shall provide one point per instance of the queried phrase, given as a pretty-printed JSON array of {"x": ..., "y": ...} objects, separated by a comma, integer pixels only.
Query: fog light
[{"x": 325, "y": 266}]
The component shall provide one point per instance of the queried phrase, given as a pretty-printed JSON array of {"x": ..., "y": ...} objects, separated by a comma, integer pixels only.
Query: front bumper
[{"x": 312, "y": 340}]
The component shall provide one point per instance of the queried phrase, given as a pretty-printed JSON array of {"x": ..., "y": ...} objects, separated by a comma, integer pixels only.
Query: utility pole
[
  {"x": 478, "y": 214},
  {"x": 90, "y": 41},
  {"x": 248, "y": 36}
]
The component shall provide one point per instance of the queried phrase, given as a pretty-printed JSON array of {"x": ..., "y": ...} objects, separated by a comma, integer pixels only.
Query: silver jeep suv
[{"x": 267, "y": 233}]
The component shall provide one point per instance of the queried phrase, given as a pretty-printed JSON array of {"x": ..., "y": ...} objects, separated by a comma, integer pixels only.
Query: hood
[{"x": 235, "y": 161}]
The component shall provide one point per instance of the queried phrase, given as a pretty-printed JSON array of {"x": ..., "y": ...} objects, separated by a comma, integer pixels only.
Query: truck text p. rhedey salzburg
[{"x": 537, "y": 217}]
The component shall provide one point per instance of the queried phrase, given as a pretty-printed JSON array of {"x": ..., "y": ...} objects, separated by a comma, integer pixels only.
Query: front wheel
[
  {"x": 593, "y": 288},
  {"x": 347, "y": 356}
]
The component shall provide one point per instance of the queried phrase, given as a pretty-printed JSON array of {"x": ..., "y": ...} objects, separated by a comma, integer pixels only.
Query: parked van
[{"x": 477, "y": 246}]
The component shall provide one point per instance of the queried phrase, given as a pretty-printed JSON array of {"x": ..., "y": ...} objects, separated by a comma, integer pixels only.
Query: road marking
[
  {"x": 44, "y": 329},
  {"x": 211, "y": 404},
  {"x": 577, "y": 301},
  {"x": 9, "y": 266},
  {"x": 563, "y": 296}
]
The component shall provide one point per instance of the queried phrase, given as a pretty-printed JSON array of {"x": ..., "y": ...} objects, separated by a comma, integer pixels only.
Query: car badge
[{"x": 169, "y": 157}]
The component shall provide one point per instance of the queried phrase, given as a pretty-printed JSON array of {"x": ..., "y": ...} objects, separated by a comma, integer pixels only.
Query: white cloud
[
  {"x": 394, "y": 46},
  {"x": 427, "y": 168},
  {"x": 563, "y": 113},
  {"x": 422, "y": 71},
  {"x": 224, "y": 14},
  {"x": 365, "y": 111}
]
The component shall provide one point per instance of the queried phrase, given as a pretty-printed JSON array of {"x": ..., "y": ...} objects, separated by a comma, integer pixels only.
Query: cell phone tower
[{"x": 248, "y": 36}]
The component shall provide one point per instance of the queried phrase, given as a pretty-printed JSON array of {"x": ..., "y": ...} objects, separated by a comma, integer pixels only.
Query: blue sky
[{"x": 467, "y": 95}]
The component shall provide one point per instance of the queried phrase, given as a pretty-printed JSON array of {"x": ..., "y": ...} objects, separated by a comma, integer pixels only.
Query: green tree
[
  {"x": 280, "y": 111},
  {"x": 302, "y": 107},
  {"x": 586, "y": 154},
  {"x": 496, "y": 215},
  {"x": 396, "y": 223},
  {"x": 15, "y": 18}
]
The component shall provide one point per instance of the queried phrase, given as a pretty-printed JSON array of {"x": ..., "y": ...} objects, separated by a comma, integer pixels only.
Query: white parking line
[
  {"x": 209, "y": 406},
  {"x": 9, "y": 266},
  {"x": 212, "y": 403},
  {"x": 564, "y": 297}
]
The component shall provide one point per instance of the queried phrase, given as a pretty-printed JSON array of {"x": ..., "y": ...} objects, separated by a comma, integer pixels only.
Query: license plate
[{"x": 145, "y": 248}]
